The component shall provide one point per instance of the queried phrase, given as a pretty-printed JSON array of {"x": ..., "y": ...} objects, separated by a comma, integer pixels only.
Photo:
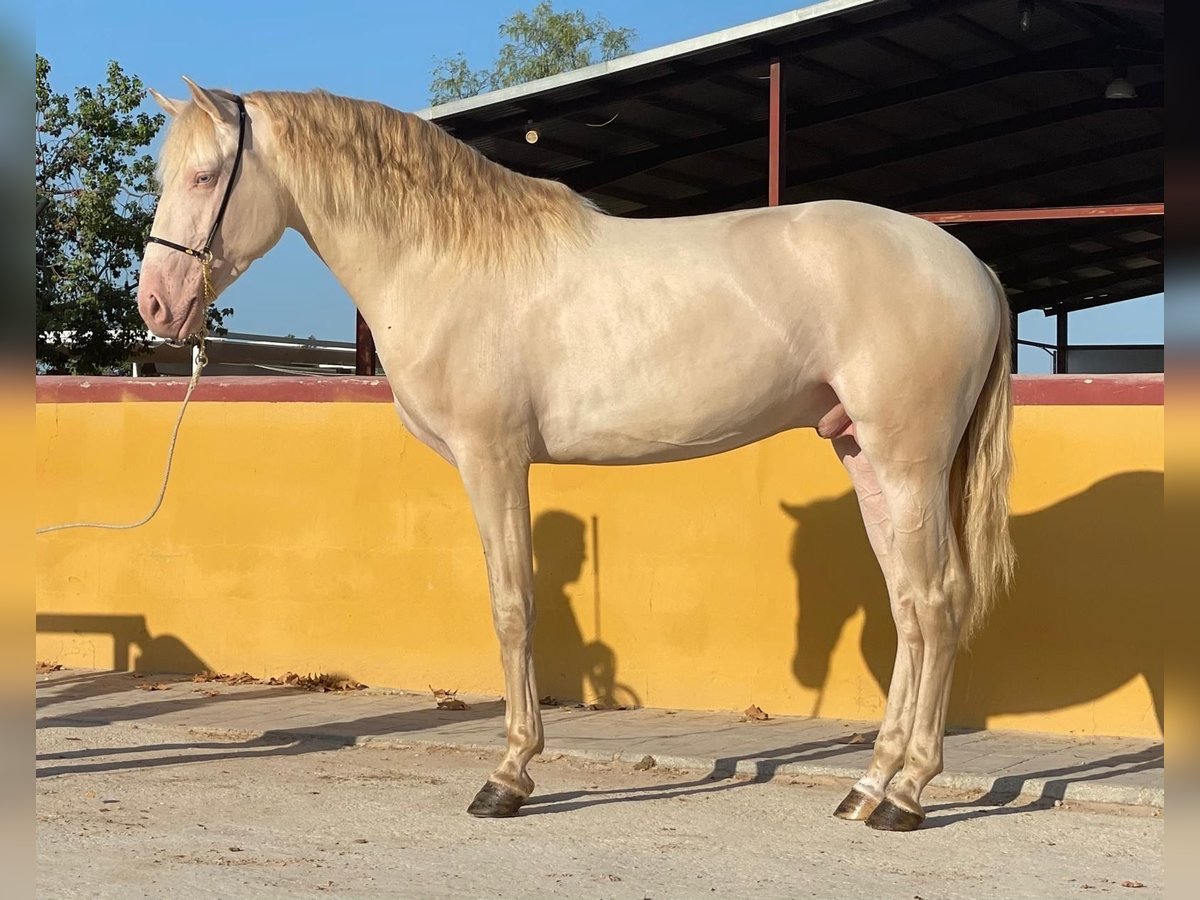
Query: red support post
[
  {"x": 364, "y": 347},
  {"x": 777, "y": 136}
]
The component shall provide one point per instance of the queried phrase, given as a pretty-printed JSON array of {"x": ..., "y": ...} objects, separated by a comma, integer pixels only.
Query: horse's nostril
[{"x": 157, "y": 310}]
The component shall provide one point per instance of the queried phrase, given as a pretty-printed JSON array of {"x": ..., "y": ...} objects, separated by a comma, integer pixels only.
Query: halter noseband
[{"x": 204, "y": 254}]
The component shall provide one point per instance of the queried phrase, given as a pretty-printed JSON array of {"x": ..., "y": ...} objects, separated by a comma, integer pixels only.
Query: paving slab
[{"x": 1001, "y": 766}]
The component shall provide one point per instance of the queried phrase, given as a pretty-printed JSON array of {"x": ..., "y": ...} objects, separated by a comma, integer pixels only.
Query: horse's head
[
  {"x": 836, "y": 576},
  {"x": 220, "y": 202}
]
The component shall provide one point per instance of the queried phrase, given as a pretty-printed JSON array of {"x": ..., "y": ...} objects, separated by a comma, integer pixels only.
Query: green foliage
[
  {"x": 96, "y": 197},
  {"x": 538, "y": 44}
]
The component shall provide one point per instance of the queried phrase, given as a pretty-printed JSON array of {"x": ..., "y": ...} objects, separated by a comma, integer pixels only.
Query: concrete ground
[{"x": 259, "y": 791}]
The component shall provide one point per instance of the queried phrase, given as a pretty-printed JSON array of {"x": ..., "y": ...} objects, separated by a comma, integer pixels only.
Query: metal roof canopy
[{"x": 917, "y": 105}]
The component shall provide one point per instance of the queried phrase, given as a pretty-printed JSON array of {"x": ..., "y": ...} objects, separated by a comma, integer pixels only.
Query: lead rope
[{"x": 199, "y": 361}]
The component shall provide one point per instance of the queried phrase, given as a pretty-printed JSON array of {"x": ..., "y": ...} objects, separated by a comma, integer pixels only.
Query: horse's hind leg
[
  {"x": 925, "y": 566},
  {"x": 499, "y": 493},
  {"x": 896, "y": 727}
]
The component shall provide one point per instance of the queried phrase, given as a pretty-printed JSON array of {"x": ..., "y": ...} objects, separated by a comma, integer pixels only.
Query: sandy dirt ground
[{"x": 132, "y": 811}]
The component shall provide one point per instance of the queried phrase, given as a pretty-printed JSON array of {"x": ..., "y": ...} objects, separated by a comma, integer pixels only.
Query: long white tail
[{"x": 980, "y": 481}]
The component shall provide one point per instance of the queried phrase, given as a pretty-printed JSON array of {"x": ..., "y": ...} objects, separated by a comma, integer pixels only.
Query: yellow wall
[{"x": 322, "y": 537}]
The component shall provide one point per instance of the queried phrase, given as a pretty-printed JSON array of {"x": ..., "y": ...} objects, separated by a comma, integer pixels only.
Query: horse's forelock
[{"x": 191, "y": 135}]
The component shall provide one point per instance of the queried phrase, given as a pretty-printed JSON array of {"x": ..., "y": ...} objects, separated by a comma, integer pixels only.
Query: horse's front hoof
[
  {"x": 890, "y": 817},
  {"x": 495, "y": 801},
  {"x": 856, "y": 807}
]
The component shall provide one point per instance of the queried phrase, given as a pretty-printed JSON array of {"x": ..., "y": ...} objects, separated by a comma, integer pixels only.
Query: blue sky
[{"x": 384, "y": 51}]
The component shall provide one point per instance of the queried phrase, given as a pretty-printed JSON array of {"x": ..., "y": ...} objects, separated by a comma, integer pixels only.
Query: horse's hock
[{"x": 708, "y": 584}]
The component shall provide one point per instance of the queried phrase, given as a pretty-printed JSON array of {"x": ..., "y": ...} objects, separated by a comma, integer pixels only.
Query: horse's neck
[
  {"x": 507, "y": 231},
  {"x": 370, "y": 266}
]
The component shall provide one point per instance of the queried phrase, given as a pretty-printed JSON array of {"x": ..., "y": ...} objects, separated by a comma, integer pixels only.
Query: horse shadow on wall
[
  {"x": 1083, "y": 618},
  {"x": 567, "y": 666}
]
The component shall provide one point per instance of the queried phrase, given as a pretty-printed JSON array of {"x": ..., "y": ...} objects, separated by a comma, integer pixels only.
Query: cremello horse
[{"x": 518, "y": 325}]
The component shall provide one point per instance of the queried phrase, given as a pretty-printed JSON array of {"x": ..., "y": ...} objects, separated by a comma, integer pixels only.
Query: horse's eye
[{"x": 203, "y": 177}]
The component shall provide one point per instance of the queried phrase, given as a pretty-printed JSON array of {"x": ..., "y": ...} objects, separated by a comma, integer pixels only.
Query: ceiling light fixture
[{"x": 1120, "y": 88}]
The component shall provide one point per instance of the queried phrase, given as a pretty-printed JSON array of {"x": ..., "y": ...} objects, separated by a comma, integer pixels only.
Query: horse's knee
[{"x": 514, "y": 623}]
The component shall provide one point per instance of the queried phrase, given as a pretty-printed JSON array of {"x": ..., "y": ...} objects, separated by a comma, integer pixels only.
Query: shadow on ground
[{"x": 724, "y": 775}]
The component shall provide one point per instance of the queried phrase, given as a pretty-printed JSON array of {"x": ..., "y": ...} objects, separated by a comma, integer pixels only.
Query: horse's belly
[{"x": 663, "y": 427}]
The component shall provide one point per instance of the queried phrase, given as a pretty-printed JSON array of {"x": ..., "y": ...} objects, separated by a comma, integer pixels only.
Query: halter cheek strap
[{"x": 204, "y": 254}]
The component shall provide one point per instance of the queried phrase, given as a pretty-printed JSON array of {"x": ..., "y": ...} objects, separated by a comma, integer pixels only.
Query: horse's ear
[
  {"x": 795, "y": 513},
  {"x": 170, "y": 107},
  {"x": 222, "y": 110}
]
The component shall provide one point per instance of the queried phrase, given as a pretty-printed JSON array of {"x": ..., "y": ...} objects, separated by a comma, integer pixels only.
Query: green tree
[
  {"x": 96, "y": 197},
  {"x": 537, "y": 44}
]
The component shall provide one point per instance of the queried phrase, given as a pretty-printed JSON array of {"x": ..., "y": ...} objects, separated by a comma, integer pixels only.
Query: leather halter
[{"x": 204, "y": 254}]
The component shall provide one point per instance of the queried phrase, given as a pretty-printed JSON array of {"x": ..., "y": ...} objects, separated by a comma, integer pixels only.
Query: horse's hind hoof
[
  {"x": 495, "y": 801},
  {"x": 856, "y": 807},
  {"x": 890, "y": 817}
]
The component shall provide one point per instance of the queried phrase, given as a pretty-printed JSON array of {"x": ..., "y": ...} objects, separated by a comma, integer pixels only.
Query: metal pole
[
  {"x": 777, "y": 136},
  {"x": 1062, "y": 342},
  {"x": 364, "y": 347}
]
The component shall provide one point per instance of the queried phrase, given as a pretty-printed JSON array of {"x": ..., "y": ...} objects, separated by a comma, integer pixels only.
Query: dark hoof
[
  {"x": 856, "y": 807},
  {"x": 495, "y": 801},
  {"x": 890, "y": 817}
]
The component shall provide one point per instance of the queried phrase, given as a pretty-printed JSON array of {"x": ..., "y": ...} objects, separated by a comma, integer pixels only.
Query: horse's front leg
[{"x": 499, "y": 492}]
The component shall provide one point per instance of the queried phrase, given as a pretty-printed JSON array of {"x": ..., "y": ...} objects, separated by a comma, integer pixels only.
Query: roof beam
[
  {"x": 1084, "y": 19},
  {"x": 1108, "y": 258},
  {"x": 969, "y": 25},
  {"x": 692, "y": 110},
  {"x": 1037, "y": 169},
  {"x": 739, "y": 86},
  {"x": 1001, "y": 254},
  {"x": 895, "y": 48},
  {"x": 1151, "y": 98},
  {"x": 1116, "y": 294},
  {"x": 1155, "y": 6},
  {"x": 1079, "y": 290},
  {"x": 1075, "y": 56}
]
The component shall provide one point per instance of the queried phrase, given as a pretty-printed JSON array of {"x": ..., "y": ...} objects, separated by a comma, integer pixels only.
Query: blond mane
[{"x": 366, "y": 162}]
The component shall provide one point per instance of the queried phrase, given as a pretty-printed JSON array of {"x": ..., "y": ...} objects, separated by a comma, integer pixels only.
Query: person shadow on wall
[
  {"x": 1084, "y": 616},
  {"x": 567, "y": 666}
]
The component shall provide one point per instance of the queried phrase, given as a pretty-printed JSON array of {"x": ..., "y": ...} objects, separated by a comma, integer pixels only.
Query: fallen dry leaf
[
  {"x": 856, "y": 738},
  {"x": 447, "y": 699},
  {"x": 154, "y": 686},
  {"x": 548, "y": 701},
  {"x": 44, "y": 667},
  {"x": 206, "y": 693},
  {"x": 1132, "y": 884},
  {"x": 240, "y": 678},
  {"x": 645, "y": 763},
  {"x": 321, "y": 683},
  {"x": 600, "y": 706},
  {"x": 754, "y": 714}
]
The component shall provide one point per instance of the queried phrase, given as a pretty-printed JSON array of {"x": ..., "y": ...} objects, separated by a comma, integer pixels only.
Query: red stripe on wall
[
  {"x": 1028, "y": 390},
  {"x": 1088, "y": 390},
  {"x": 216, "y": 389}
]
